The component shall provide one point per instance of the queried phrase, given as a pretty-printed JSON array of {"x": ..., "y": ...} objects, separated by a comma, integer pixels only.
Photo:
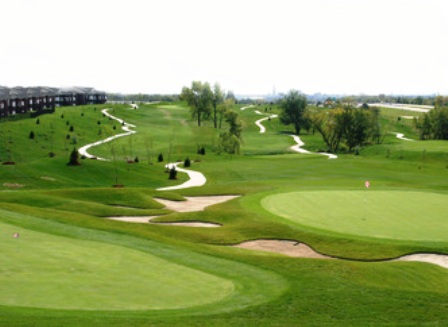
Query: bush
[
  {"x": 160, "y": 158},
  {"x": 37, "y": 121},
  {"x": 173, "y": 173},
  {"x": 136, "y": 159},
  {"x": 187, "y": 162},
  {"x": 31, "y": 136},
  {"x": 72, "y": 128},
  {"x": 74, "y": 158}
]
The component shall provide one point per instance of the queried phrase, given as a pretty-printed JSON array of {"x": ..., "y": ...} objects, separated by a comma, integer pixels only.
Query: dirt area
[{"x": 289, "y": 248}]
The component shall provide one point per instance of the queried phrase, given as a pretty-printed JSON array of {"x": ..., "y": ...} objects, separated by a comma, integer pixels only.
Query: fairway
[
  {"x": 46, "y": 271},
  {"x": 400, "y": 215}
]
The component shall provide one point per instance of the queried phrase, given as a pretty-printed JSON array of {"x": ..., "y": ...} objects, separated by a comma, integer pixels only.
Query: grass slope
[{"x": 47, "y": 200}]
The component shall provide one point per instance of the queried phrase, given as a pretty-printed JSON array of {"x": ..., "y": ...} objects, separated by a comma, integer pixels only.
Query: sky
[{"x": 247, "y": 46}]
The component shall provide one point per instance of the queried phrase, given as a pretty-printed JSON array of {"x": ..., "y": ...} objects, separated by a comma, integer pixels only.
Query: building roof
[{"x": 19, "y": 92}]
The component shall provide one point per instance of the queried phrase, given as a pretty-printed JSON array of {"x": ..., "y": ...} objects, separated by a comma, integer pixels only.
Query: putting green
[
  {"x": 417, "y": 216},
  {"x": 47, "y": 271}
]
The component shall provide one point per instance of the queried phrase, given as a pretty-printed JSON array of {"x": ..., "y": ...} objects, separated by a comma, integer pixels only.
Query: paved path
[
  {"x": 196, "y": 178},
  {"x": 401, "y": 137},
  {"x": 125, "y": 126}
]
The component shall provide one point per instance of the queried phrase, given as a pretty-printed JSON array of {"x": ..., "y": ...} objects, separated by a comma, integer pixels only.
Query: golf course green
[
  {"x": 85, "y": 275},
  {"x": 64, "y": 263},
  {"x": 401, "y": 215}
]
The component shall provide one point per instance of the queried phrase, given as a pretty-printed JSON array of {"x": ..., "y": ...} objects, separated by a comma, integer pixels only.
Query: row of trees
[
  {"x": 343, "y": 125},
  {"x": 434, "y": 124}
]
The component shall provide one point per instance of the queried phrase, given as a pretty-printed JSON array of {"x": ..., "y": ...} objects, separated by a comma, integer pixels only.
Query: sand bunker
[
  {"x": 147, "y": 219},
  {"x": 437, "y": 259},
  {"x": 300, "y": 250},
  {"x": 289, "y": 248},
  {"x": 192, "y": 204},
  {"x": 197, "y": 203}
]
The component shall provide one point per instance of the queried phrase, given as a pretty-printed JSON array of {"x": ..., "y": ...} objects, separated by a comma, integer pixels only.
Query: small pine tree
[
  {"x": 62, "y": 116},
  {"x": 203, "y": 151},
  {"x": 74, "y": 158},
  {"x": 160, "y": 158},
  {"x": 67, "y": 137},
  {"x": 72, "y": 128},
  {"x": 98, "y": 122},
  {"x": 37, "y": 121},
  {"x": 31, "y": 136},
  {"x": 136, "y": 160},
  {"x": 187, "y": 162},
  {"x": 173, "y": 173}
]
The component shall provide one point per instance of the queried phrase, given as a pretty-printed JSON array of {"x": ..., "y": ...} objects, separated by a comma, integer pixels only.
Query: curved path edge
[{"x": 125, "y": 126}]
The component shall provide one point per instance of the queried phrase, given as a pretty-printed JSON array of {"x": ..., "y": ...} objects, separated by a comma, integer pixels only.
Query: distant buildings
[{"x": 18, "y": 100}]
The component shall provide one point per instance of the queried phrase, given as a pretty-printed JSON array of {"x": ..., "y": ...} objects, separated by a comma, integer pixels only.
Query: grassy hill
[{"x": 70, "y": 266}]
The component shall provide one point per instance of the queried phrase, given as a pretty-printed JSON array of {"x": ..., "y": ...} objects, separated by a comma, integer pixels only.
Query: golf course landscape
[{"x": 67, "y": 259}]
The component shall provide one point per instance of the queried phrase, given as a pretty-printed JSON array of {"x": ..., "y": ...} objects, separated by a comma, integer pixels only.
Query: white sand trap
[
  {"x": 196, "y": 203},
  {"x": 131, "y": 219},
  {"x": 147, "y": 219},
  {"x": 289, "y": 248},
  {"x": 300, "y": 250},
  {"x": 436, "y": 259}
]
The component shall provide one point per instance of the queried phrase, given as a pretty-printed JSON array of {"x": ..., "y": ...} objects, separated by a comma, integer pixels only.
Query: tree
[
  {"x": 223, "y": 108},
  {"x": 230, "y": 141},
  {"x": 218, "y": 98},
  {"x": 199, "y": 97},
  {"x": 74, "y": 158},
  {"x": 293, "y": 107}
]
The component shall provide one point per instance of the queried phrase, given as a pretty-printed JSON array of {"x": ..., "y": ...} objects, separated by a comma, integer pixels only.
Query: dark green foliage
[
  {"x": 187, "y": 162},
  {"x": 71, "y": 128},
  {"x": 31, "y": 136},
  {"x": 136, "y": 159},
  {"x": 98, "y": 122},
  {"x": 74, "y": 158},
  {"x": 160, "y": 157},
  {"x": 37, "y": 121},
  {"x": 173, "y": 173},
  {"x": 294, "y": 111}
]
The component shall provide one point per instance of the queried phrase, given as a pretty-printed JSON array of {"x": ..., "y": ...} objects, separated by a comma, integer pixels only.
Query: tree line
[
  {"x": 343, "y": 125},
  {"x": 434, "y": 124}
]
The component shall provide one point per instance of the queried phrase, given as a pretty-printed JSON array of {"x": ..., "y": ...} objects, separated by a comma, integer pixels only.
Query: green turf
[
  {"x": 46, "y": 271},
  {"x": 401, "y": 215},
  {"x": 63, "y": 206}
]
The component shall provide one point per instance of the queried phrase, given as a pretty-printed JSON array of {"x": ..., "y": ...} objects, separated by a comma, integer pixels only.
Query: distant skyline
[{"x": 247, "y": 46}]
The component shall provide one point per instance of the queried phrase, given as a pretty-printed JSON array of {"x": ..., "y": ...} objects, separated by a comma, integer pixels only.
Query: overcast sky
[{"x": 248, "y": 46}]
